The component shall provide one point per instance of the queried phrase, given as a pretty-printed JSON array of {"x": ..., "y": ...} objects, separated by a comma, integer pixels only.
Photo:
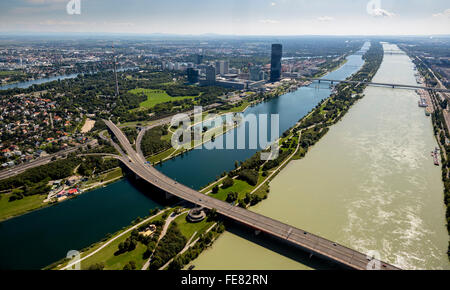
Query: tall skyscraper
[
  {"x": 275, "y": 64},
  {"x": 210, "y": 75}
]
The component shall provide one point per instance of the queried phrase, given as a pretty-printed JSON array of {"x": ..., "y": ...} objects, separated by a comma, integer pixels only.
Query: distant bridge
[
  {"x": 311, "y": 243},
  {"x": 388, "y": 52},
  {"x": 394, "y": 86}
]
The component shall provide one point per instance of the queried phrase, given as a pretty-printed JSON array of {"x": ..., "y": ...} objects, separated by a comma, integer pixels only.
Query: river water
[
  {"x": 27, "y": 84},
  {"x": 39, "y": 238},
  {"x": 369, "y": 184}
]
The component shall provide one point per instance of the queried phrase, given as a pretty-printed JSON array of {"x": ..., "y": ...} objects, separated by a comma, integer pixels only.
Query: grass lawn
[
  {"x": 188, "y": 229},
  {"x": 239, "y": 186},
  {"x": 155, "y": 97},
  {"x": 161, "y": 156},
  {"x": 111, "y": 262},
  {"x": 17, "y": 207},
  {"x": 135, "y": 124},
  {"x": 238, "y": 109},
  {"x": 106, "y": 255}
]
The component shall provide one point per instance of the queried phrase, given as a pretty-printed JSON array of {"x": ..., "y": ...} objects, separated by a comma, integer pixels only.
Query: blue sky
[{"x": 243, "y": 17}]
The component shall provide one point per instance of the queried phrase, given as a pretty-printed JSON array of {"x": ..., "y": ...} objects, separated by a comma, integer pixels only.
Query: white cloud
[
  {"x": 269, "y": 21},
  {"x": 273, "y": 4},
  {"x": 325, "y": 18},
  {"x": 380, "y": 12},
  {"x": 446, "y": 13}
]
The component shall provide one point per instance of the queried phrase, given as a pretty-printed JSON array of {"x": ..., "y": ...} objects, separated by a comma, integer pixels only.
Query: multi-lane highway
[
  {"x": 309, "y": 242},
  {"x": 7, "y": 173}
]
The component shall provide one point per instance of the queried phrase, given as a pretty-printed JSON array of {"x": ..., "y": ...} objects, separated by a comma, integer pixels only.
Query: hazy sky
[{"x": 244, "y": 17}]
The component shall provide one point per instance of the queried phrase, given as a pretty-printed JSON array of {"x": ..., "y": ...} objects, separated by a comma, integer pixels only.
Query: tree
[
  {"x": 212, "y": 214},
  {"x": 131, "y": 265},
  {"x": 215, "y": 189},
  {"x": 242, "y": 203},
  {"x": 232, "y": 196},
  {"x": 176, "y": 264},
  {"x": 96, "y": 267},
  {"x": 228, "y": 182}
]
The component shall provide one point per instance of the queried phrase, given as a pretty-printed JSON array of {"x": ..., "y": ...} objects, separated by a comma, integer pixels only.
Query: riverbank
[{"x": 439, "y": 118}]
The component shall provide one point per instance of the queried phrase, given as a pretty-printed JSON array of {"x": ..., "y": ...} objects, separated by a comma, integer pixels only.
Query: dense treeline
[
  {"x": 97, "y": 164},
  {"x": 55, "y": 170},
  {"x": 131, "y": 134},
  {"x": 152, "y": 143},
  {"x": 169, "y": 246},
  {"x": 249, "y": 175},
  {"x": 253, "y": 162},
  {"x": 283, "y": 154},
  {"x": 192, "y": 253},
  {"x": 440, "y": 124}
]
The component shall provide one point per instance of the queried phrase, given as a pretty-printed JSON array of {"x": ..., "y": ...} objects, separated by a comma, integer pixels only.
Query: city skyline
[{"x": 250, "y": 17}]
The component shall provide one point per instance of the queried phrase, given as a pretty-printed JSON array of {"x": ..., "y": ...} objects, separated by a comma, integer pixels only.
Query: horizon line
[{"x": 18, "y": 33}]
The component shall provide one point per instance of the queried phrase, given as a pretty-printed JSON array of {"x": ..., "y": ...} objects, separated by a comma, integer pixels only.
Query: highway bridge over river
[
  {"x": 394, "y": 86},
  {"x": 308, "y": 242}
]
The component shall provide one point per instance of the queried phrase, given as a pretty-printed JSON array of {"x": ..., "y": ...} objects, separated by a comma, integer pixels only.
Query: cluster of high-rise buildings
[{"x": 220, "y": 74}]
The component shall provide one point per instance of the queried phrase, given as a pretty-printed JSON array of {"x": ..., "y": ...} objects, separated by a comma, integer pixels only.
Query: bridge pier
[
  {"x": 257, "y": 232},
  {"x": 167, "y": 195}
]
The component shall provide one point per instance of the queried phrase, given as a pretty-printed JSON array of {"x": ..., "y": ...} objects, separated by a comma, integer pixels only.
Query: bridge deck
[
  {"x": 383, "y": 84},
  {"x": 307, "y": 241}
]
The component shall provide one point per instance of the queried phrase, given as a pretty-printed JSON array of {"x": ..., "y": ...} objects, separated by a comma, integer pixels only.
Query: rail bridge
[
  {"x": 394, "y": 86},
  {"x": 308, "y": 242}
]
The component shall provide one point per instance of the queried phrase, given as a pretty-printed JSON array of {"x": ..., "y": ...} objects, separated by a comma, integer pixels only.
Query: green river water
[{"x": 369, "y": 184}]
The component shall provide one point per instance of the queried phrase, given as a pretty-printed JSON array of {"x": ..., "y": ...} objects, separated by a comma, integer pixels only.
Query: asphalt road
[{"x": 7, "y": 173}]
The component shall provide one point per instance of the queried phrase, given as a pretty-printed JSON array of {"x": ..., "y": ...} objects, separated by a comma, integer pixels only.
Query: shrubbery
[{"x": 250, "y": 176}]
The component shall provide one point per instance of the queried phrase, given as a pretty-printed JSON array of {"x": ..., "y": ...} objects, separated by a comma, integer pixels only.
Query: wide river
[
  {"x": 369, "y": 184},
  {"x": 382, "y": 191}
]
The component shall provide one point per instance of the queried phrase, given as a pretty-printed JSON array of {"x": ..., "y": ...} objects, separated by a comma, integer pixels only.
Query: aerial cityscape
[{"x": 163, "y": 135}]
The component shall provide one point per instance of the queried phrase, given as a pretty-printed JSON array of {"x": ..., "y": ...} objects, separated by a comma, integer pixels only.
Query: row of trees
[
  {"x": 192, "y": 253},
  {"x": 35, "y": 180},
  {"x": 169, "y": 246}
]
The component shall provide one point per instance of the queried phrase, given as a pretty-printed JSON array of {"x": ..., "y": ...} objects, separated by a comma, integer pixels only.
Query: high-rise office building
[
  {"x": 192, "y": 75},
  {"x": 255, "y": 73},
  {"x": 226, "y": 67},
  {"x": 210, "y": 75},
  {"x": 222, "y": 67},
  {"x": 198, "y": 59},
  {"x": 275, "y": 64}
]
